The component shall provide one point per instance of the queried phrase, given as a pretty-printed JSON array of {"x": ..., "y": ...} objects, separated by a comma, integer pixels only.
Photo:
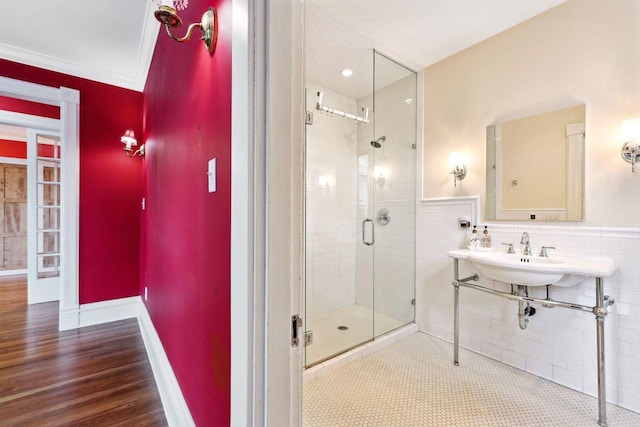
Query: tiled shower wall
[{"x": 559, "y": 344}]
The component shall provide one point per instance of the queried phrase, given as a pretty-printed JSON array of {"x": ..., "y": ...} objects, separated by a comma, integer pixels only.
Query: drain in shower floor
[{"x": 343, "y": 328}]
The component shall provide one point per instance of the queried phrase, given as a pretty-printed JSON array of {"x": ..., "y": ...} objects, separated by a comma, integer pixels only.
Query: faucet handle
[
  {"x": 543, "y": 251},
  {"x": 510, "y": 248}
]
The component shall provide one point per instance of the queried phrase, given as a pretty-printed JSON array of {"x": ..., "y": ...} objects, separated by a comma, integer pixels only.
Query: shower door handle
[{"x": 373, "y": 235}]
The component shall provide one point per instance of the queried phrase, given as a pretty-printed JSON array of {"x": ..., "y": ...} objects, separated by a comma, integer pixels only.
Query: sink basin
[
  {"x": 537, "y": 271},
  {"x": 519, "y": 269}
]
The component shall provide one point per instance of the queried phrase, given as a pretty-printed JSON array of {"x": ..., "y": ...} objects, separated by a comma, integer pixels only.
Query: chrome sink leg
[
  {"x": 600, "y": 311},
  {"x": 456, "y": 312}
]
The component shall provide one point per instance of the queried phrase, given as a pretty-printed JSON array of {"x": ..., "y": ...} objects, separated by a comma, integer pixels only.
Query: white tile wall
[{"x": 559, "y": 344}]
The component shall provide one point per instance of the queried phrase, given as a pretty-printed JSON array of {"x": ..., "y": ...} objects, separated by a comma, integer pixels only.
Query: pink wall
[
  {"x": 34, "y": 108},
  {"x": 186, "y": 230},
  {"x": 13, "y": 149},
  {"x": 110, "y": 182}
]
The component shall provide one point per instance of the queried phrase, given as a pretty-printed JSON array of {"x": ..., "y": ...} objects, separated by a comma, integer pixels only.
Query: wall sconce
[
  {"x": 325, "y": 183},
  {"x": 378, "y": 176},
  {"x": 129, "y": 140},
  {"x": 458, "y": 170},
  {"x": 630, "y": 150},
  {"x": 208, "y": 26}
]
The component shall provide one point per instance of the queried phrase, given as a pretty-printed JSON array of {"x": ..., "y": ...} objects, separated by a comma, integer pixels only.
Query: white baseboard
[
  {"x": 108, "y": 311},
  {"x": 68, "y": 318},
  {"x": 175, "y": 407},
  {"x": 13, "y": 272}
]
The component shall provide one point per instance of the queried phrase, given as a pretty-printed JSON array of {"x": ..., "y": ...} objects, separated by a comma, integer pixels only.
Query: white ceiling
[
  {"x": 341, "y": 33},
  {"x": 113, "y": 42},
  {"x": 110, "y": 42}
]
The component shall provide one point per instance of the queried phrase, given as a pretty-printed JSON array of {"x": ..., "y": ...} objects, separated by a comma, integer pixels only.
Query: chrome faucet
[{"x": 524, "y": 240}]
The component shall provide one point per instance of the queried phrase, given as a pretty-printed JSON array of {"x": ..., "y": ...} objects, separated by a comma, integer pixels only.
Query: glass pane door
[
  {"x": 44, "y": 216},
  {"x": 394, "y": 194},
  {"x": 338, "y": 226}
]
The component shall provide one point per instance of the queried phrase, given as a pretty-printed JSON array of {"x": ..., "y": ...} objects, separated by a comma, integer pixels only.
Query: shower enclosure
[{"x": 360, "y": 142}]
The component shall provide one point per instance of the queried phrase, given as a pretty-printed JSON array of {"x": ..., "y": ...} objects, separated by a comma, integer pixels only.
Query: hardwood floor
[{"x": 94, "y": 376}]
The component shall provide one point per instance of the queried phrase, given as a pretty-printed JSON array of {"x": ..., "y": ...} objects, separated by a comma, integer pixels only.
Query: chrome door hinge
[
  {"x": 308, "y": 118},
  {"x": 296, "y": 323},
  {"x": 308, "y": 338}
]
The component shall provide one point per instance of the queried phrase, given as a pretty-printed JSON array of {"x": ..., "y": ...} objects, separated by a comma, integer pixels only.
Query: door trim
[
  {"x": 266, "y": 189},
  {"x": 69, "y": 102}
]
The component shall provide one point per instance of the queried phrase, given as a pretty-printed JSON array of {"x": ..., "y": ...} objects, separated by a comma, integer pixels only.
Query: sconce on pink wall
[
  {"x": 129, "y": 140},
  {"x": 208, "y": 26}
]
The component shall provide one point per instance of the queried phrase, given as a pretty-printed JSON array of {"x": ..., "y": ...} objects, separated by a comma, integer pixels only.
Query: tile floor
[
  {"x": 328, "y": 340},
  {"x": 414, "y": 383}
]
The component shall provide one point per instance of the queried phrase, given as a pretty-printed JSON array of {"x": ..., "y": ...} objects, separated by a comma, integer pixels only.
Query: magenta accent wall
[
  {"x": 110, "y": 182},
  {"x": 186, "y": 230}
]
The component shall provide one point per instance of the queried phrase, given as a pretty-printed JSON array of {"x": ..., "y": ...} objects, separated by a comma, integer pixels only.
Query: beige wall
[{"x": 584, "y": 51}]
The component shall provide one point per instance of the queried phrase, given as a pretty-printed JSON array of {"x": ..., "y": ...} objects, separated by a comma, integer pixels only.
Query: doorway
[
  {"x": 30, "y": 187},
  {"x": 67, "y": 129}
]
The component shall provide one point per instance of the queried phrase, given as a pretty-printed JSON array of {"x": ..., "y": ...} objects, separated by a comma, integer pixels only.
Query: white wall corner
[
  {"x": 175, "y": 406},
  {"x": 108, "y": 311}
]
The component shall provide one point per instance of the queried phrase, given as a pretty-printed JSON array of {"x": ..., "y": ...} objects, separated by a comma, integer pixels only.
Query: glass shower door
[{"x": 338, "y": 265}]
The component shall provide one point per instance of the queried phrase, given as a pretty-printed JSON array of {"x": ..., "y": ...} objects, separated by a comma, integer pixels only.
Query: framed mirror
[{"x": 535, "y": 167}]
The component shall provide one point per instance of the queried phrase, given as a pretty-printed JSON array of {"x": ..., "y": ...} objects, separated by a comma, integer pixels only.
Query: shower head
[{"x": 377, "y": 143}]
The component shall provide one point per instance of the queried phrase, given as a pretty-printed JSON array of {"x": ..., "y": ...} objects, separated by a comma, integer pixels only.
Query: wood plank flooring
[{"x": 94, "y": 376}]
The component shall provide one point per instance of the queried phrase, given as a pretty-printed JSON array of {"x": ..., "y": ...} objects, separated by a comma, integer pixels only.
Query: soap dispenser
[
  {"x": 474, "y": 240},
  {"x": 485, "y": 240}
]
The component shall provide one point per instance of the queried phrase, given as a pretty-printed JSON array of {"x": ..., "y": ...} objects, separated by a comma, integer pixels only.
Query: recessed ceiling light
[{"x": 346, "y": 72}]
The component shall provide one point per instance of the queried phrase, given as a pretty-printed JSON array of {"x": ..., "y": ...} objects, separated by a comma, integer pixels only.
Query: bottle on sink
[
  {"x": 485, "y": 240},
  {"x": 474, "y": 240}
]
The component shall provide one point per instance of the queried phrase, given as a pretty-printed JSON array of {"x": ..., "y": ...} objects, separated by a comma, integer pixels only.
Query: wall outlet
[{"x": 146, "y": 293}]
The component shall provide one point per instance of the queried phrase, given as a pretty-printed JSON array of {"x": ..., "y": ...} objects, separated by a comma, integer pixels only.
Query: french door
[{"x": 44, "y": 187}]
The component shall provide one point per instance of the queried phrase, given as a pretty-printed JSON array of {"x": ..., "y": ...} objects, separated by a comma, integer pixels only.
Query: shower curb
[{"x": 377, "y": 344}]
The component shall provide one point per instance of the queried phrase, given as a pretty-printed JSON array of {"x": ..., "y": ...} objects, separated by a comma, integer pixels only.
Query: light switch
[{"x": 211, "y": 175}]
